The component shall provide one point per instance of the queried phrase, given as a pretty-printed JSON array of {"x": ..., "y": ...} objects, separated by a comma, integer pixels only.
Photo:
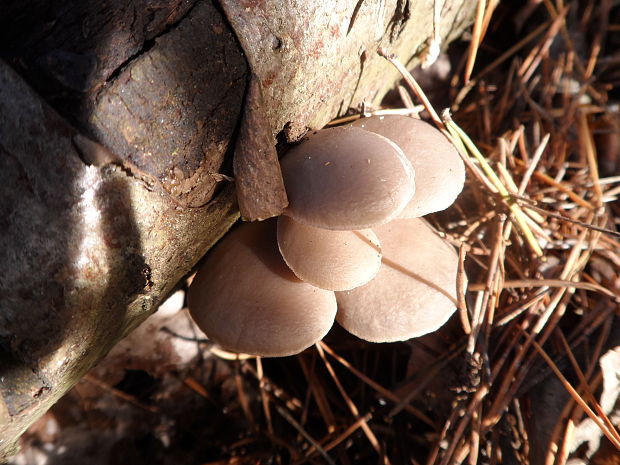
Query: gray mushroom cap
[
  {"x": 346, "y": 178},
  {"x": 440, "y": 172},
  {"x": 246, "y": 299},
  {"x": 414, "y": 292},
  {"x": 335, "y": 260}
]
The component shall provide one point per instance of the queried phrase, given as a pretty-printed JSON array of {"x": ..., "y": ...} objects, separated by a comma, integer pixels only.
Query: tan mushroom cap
[
  {"x": 346, "y": 178},
  {"x": 334, "y": 260},
  {"x": 247, "y": 300},
  {"x": 414, "y": 292},
  {"x": 440, "y": 172}
]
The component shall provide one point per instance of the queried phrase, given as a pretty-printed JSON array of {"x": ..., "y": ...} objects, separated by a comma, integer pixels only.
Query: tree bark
[{"x": 118, "y": 120}]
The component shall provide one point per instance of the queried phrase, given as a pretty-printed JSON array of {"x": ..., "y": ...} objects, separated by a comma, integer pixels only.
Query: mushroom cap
[
  {"x": 334, "y": 260},
  {"x": 346, "y": 178},
  {"x": 414, "y": 292},
  {"x": 246, "y": 299},
  {"x": 440, "y": 172}
]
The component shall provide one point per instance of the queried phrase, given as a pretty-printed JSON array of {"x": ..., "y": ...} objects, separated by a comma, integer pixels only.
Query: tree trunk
[{"x": 111, "y": 197}]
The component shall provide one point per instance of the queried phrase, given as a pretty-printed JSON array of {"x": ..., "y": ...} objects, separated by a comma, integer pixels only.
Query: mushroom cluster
[{"x": 351, "y": 245}]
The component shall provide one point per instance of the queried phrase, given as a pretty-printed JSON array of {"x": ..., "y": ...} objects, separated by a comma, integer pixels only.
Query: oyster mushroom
[
  {"x": 440, "y": 172},
  {"x": 414, "y": 292},
  {"x": 334, "y": 260},
  {"x": 246, "y": 299},
  {"x": 346, "y": 178}
]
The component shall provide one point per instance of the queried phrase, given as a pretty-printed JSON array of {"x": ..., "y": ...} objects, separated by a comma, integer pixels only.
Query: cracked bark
[{"x": 111, "y": 197}]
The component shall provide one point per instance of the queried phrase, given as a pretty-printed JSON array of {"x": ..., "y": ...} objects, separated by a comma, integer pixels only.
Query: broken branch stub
[{"x": 258, "y": 179}]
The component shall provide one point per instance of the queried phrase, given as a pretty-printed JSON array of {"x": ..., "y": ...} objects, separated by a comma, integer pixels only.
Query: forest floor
[{"x": 527, "y": 372}]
